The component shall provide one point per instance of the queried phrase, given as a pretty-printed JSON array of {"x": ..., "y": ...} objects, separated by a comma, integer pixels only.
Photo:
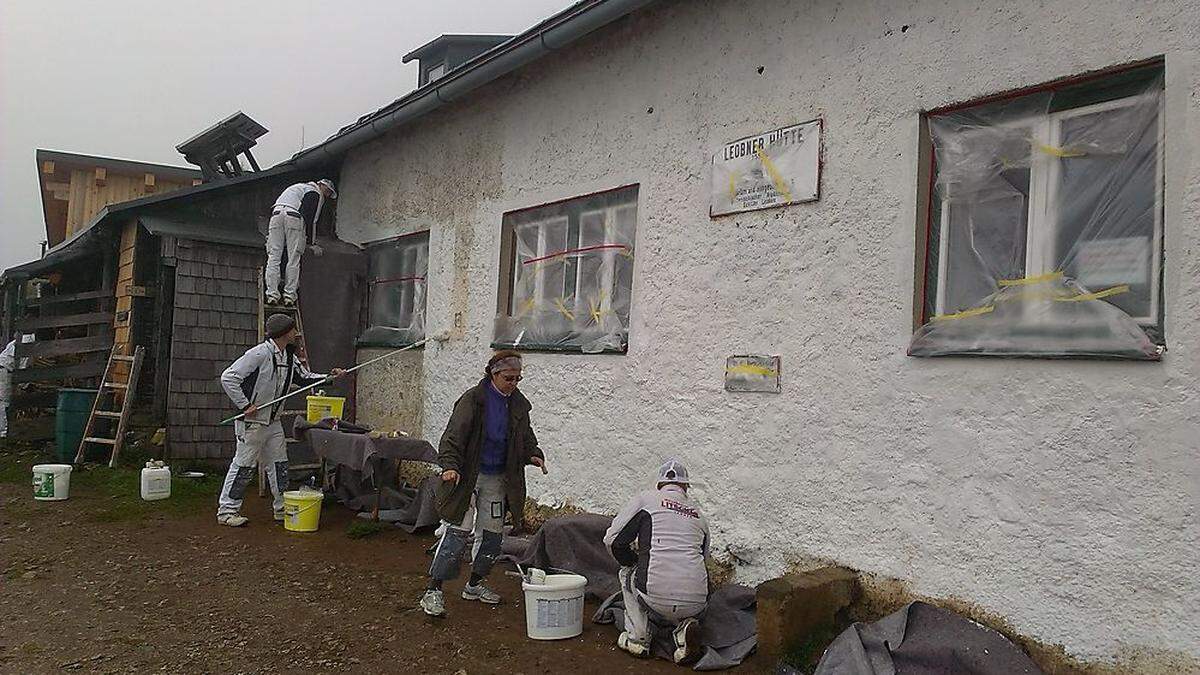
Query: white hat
[
  {"x": 673, "y": 471},
  {"x": 328, "y": 184}
]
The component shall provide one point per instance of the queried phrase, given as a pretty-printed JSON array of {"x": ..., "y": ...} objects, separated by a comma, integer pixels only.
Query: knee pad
[
  {"x": 281, "y": 476},
  {"x": 241, "y": 481},
  {"x": 447, "y": 559},
  {"x": 489, "y": 550}
]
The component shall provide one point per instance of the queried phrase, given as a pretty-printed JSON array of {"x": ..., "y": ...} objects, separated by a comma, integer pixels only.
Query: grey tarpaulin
[
  {"x": 576, "y": 543},
  {"x": 366, "y": 472},
  {"x": 923, "y": 640},
  {"x": 332, "y": 288},
  {"x": 727, "y": 631}
]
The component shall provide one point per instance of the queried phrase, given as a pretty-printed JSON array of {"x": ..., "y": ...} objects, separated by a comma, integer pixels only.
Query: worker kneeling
[{"x": 661, "y": 540}]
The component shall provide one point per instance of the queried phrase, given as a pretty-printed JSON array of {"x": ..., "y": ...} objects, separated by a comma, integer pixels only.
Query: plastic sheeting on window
[
  {"x": 397, "y": 279},
  {"x": 571, "y": 277},
  {"x": 1047, "y": 224}
]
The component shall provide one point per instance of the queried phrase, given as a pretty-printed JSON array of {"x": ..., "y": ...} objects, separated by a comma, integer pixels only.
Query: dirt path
[{"x": 182, "y": 594}]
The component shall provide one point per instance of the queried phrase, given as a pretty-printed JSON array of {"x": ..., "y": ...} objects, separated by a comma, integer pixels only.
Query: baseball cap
[
  {"x": 325, "y": 182},
  {"x": 673, "y": 471}
]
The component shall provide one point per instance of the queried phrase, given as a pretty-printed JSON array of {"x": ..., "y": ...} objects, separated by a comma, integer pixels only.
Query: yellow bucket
[
  {"x": 302, "y": 510},
  {"x": 320, "y": 407}
]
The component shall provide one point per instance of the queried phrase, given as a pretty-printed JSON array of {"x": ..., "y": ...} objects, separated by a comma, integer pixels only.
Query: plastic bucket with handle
[
  {"x": 51, "y": 482},
  {"x": 302, "y": 510},
  {"x": 554, "y": 608}
]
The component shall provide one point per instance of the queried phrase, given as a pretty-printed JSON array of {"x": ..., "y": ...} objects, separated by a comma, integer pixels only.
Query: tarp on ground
[
  {"x": 921, "y": 639},
  {"x": 576, "y": 544}
]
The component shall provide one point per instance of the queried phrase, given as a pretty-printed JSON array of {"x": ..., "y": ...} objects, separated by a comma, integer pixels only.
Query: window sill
[
  {"x": 557, "y": 349},
  {"x": 992, "y": 354}
]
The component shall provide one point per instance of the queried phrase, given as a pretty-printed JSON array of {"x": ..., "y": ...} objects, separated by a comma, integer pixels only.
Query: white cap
[
  {"x": 328, "y": 184},
  {"x": 673, "y": 471}
]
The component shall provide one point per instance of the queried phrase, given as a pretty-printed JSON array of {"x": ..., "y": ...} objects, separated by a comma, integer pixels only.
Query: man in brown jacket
[{"x": 483, "y": 454}]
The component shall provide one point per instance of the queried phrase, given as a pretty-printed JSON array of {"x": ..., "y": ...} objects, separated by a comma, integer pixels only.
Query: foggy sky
[{"x": 132, "y": 79}]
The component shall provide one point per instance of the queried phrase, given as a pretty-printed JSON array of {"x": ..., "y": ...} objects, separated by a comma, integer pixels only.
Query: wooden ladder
[{"x": 112, "y": 386}]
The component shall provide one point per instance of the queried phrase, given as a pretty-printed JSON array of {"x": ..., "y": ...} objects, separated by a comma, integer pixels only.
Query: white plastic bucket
[
  {"x": 51, "y": 482},
  {"x": 554, "y": 609}
]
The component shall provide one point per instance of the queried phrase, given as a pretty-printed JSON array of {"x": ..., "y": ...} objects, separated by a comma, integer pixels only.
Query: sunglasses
[{"x": 511, "y": 378}]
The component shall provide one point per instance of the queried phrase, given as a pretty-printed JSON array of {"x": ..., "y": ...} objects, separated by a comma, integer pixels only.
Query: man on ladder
[
  {"x": 8, "y": 364},
  {"x": 264, "y": 373},
  {"x": 296, "y": 210}
]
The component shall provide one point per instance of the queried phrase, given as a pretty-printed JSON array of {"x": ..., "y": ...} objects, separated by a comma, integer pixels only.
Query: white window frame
[
  {"x": 1042, "y": 219},
  {"x": 544, "y": 248},
  {"x": 402, "y": 247}
]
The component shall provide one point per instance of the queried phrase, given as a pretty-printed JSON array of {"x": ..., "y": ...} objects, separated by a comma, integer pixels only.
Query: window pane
[
  {"x": 986, "y": 191},
  {"x": 1106, "y": 206},
  {"x": 396, "y": 308}
]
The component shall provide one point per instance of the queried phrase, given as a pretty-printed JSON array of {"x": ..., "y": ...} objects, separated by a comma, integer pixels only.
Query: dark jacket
[{"x": 462, "y": 445}]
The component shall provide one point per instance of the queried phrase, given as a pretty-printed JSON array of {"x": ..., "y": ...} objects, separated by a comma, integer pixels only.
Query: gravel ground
[{"x": 170, "y": 591}]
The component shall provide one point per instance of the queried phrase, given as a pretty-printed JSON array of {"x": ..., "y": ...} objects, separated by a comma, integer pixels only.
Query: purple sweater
[{"x": 495, "y": 432}]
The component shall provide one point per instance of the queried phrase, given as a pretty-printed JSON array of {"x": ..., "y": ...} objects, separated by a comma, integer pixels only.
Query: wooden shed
[{"x": 179, "y": 275}]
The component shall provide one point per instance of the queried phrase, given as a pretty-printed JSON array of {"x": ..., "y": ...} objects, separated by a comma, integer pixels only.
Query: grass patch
[
  {"x": 804, "y": 655},
  {"x": 365, "y": 528},
  {"x": 118, "y": 490}
]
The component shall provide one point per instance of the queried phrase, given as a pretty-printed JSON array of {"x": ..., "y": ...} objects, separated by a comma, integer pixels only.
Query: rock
[{"x": 29, "y": 575}]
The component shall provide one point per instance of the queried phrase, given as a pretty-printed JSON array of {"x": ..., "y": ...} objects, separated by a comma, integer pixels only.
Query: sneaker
[
  {"x": 289, "y": 302},
  {"x": 433, "y": 604},
  {"x": 638, "y": 649},
  {"x": 481, "y": 593},
  {"x": 232, "y": 520},
  {"x": 279, "y": 516},
  {"x": 687, "y": 641},
  {"x": 272, "y": 299}
]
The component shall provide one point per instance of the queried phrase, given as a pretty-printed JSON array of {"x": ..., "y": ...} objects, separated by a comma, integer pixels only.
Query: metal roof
[{"x": 453, "y": 39}]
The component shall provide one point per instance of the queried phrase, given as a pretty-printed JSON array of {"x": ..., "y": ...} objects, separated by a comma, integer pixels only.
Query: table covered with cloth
[{"x": 365, "y": 477}]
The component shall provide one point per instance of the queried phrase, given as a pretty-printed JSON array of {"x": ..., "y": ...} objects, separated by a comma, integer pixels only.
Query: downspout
[{"x": 558, "y": 32}]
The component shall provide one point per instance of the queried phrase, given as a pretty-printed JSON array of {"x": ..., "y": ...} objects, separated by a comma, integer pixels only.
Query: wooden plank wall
[
  {"x": 123, "y": 319},
  {"x": 214, "y": 321},
  {"x": 87, "y": 195}
]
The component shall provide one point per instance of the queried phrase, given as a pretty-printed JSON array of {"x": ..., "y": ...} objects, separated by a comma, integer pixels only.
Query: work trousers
[
  {"x": 256, "y": 444},
  {"x": 484, "y": 521},
  {"x": 637, "y": 618},
  {"x": 5, "y": 393},
  {"x": 284, "y": 233}
]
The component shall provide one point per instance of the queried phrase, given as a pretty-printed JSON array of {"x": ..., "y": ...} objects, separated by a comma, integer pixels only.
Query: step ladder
[
  {"x": 293, "y": 311},
  {"x": 117, "y": 389}
]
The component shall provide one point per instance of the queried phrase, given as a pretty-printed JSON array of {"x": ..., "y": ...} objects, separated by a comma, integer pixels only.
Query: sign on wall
[
  {"x": 775, "y": 168},
  {"x": 752, "y": 373}
]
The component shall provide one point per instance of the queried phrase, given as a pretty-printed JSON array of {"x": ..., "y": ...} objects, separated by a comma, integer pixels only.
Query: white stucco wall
[{"x": 1061, "y": 495}]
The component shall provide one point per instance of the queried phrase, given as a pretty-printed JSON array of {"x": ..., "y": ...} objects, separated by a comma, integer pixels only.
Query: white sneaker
[
  {"x": 289, "y": 302},
  {"x": 687, "y": 641},
  {"x": 638, "y": 649},
  {"x": 232, "y": 519},
  {"x": 272, "y": 299},
  {"x": 433, "y": 603},
  {"x": 279, "y": 516},
  {"x": 481, "y": 593}
]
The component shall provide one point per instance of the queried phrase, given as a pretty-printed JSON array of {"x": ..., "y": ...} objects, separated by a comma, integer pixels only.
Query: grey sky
[{"x": 133, "y": 78}]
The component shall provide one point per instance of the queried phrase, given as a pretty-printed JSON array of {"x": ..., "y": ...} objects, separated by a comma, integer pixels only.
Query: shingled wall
[{"x": 215, "y": 320}]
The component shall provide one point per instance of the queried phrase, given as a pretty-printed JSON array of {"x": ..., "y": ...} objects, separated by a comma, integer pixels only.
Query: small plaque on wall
[{"x": 752, "y": 374}]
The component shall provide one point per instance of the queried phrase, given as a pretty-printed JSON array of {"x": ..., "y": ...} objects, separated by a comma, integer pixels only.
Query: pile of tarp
[
  {"x": 921, "y": 639},
  {"x": 576, "y": 544}
]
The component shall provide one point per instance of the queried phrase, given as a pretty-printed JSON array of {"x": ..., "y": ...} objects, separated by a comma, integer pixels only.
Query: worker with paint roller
[
  {"x": 483, "y": 453},
  {"x": 295, "y": 211},
  {"x": 260, "y": 376},
  {"x": 661, "y": 540}
]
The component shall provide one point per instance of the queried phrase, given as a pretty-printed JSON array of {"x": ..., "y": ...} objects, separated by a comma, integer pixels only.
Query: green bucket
[{"x": 74, "y": 407}]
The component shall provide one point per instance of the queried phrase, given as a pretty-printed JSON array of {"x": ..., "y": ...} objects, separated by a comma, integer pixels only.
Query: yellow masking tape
[
  {"x": 732, "y": 188},
  {"x": 777, "y": 177},
  {"x": 1031, "y": 280},
  {"x": 1059, "y": 152},
  {"x": 562, "y": 309},
  {"x": 986, "y": 309},
  {"x": 1115, "y": 290},
  {"x": 750, "y": 369}
]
